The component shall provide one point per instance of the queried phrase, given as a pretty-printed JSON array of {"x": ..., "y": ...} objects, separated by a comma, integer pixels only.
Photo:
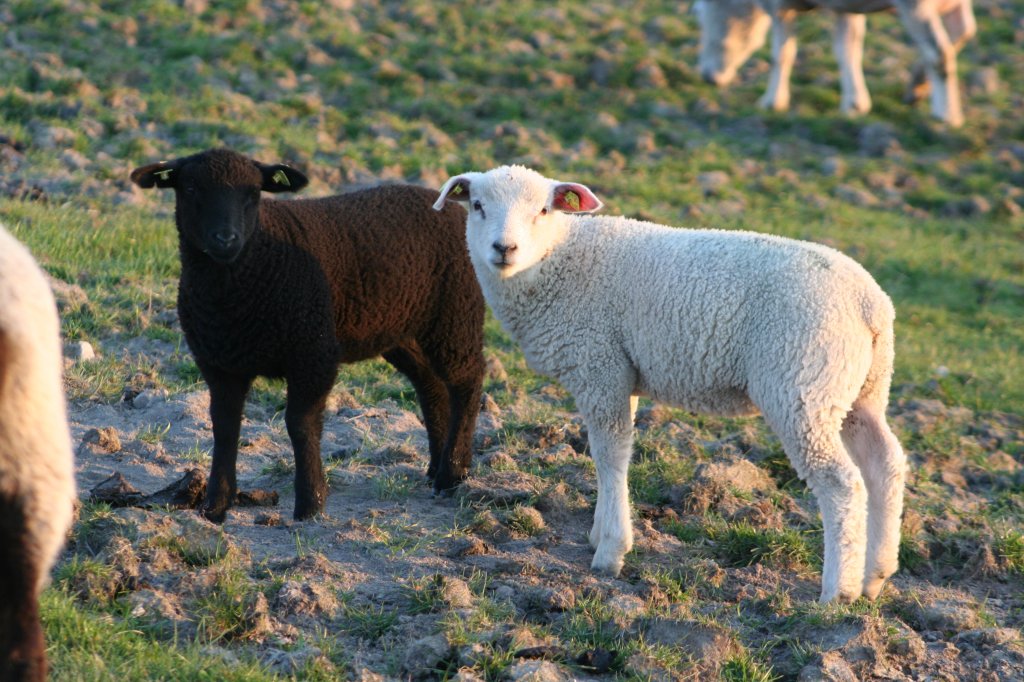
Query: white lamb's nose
[{"x": 504, "y": 249}]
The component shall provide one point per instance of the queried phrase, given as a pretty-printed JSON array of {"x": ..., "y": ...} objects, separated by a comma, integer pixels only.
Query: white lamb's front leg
[
  {"x": 613, "y": 530},
  {"x": 848, "y": 44},
  {"x": 776, "y": 97}
]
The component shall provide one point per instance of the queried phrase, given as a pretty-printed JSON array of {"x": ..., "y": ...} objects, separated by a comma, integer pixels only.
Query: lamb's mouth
[{"x": 224, "y": 256}]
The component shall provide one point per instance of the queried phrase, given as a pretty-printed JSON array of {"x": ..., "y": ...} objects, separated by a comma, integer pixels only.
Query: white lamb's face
[
  {"x": 516, "y": 216},
  {"x": 510, "y": 225},
  {"x": 730, "y": 31}
]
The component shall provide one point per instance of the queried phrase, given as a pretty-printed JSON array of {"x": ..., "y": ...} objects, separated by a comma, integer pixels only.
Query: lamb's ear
[
  {"x": 572, "y": 197},
  {"x": 456, "y": 189},
  {"x": 163, "y": 174},
  {"x": 281, "y": 178}
]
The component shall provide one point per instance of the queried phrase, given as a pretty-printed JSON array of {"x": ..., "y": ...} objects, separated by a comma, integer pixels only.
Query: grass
[{"x": 84, "y": 645}]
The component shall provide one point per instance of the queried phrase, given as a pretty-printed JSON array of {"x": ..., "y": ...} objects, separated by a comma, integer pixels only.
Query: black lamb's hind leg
[
  {"x": 432, "y": 396},
  {"x": 227, "y": 398},
  {"x": 304, "y": 418}
]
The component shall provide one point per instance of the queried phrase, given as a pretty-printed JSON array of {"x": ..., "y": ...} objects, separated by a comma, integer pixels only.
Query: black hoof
[{"x": 214, "y": 514}]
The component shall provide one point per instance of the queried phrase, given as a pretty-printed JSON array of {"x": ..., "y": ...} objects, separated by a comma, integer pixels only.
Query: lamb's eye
[
  {"x": 544, "y": 211},
  {"x": 478, "y": 207}
]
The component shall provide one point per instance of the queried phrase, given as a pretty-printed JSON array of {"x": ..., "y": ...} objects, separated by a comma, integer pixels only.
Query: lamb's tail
[{"x": 879, "y": 316}]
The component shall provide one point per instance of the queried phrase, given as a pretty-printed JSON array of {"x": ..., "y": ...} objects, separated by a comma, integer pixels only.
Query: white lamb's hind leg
[
  {"x": 611, "y": 445},
  {"x": 882, "y": 463},
  {"x": 842, "y": 499}
]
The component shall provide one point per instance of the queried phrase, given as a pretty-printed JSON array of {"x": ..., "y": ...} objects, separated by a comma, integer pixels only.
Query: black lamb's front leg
[
  {"x": 304, "y": 417},
  {"x": 227, "y": 398},
  {"x": 458, "y": 453}
]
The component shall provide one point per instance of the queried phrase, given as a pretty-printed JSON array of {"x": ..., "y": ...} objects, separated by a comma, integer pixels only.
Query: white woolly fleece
[
  {"x": 729, "y": 323},
  {"x": 36, "y": 461}
]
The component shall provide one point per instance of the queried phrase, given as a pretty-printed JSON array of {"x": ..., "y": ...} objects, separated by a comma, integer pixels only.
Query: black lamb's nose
[
  {"x": 504, "y": 249},
  {"x": 225, "y": 238}
]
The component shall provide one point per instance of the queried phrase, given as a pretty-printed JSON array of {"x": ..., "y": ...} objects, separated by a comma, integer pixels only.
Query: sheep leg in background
[
  {"x": 927, "y": 30},
  {"x": 432, "y": 395},
  {"x": 304, "y": 419},
  {"x": 227, "y": 398},
  {"x": 784, "y": 48},
  {"x": 22, "y": 646},
  {"x": 848, "y": 44}
]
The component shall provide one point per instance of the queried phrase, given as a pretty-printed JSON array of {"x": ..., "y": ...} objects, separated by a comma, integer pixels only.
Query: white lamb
[
  {"x": 730, "y": 323},
  {"x": 37, "y": 487}
]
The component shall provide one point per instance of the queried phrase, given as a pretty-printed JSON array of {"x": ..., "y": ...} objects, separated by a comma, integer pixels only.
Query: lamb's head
[
  {"x": 516, "y": 215},
  {"x": 217, "y": 195},
  {"x": 730, "y": 31}
]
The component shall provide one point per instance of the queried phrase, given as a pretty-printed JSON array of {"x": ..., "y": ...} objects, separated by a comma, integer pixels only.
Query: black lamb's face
[{"x": 218, "y": 197}]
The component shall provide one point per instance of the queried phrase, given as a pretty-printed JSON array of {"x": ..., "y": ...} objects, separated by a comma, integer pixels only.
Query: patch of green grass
[
  {"x": 746, "y": 668},
  {"x": 223, "y": 611},
  {"x": 389, "y": 486},
  {"x": 651, "y": 480},
  {"x": 425, "y": 594},
  {"x": 368, "y": 621},
  {"x": 154, "y": 433},
  {"x": 1010, "y": 546},
  {"x": 525, "y": 521},
  {"x": 742, "y": 544},
  {"x": 83, "y": 645}
]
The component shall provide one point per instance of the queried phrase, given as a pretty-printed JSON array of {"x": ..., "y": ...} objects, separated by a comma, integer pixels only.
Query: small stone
[
  {"x": 834, "y": 166},
  {"x": 856, "y": 196},
  {"x": 148, "y": 398},
  {"x": 878, "y": 140},
  {"x": 830, "y": 668},
  {"x": 470, "y": 545},
  {"x": 984, "y": 80},
  {"x": 425, "y": 656},
  {"x": 270, "y": 519},
  {"x": 79, "y": 351},
  {"x": 106, "y": 439},
  {"x": 713, "y": 182},
  {"x": 74, "y": 160},
  {"x": 115, "y": 491},
  {"x": 537, "y": 671},
  {"x": 495, "y": 370}
]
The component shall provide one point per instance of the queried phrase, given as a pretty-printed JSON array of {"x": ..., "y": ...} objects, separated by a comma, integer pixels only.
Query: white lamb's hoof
[
  {"x": 607, "y": 563},
  {"x": 840, "y": 596},
  {"x": 873, "y": 586}
]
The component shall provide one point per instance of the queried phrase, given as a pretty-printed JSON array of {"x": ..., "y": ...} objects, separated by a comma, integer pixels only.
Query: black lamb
[{"x": 294, "y": 288}]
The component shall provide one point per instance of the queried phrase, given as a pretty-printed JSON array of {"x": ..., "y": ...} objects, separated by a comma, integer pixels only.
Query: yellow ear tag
[
  {"x": 164, "y": 174},
  {"x": 281, "y": 178},
  {"x": 572, "y": 199},
  {"x": 457, "y": 189}
]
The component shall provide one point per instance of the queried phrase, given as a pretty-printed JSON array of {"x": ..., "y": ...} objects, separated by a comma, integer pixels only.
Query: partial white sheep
[
  {"x": 729, "y": 323},
  {"x": 732, "y": 30},
  {"x": 37, "y": 487}
]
